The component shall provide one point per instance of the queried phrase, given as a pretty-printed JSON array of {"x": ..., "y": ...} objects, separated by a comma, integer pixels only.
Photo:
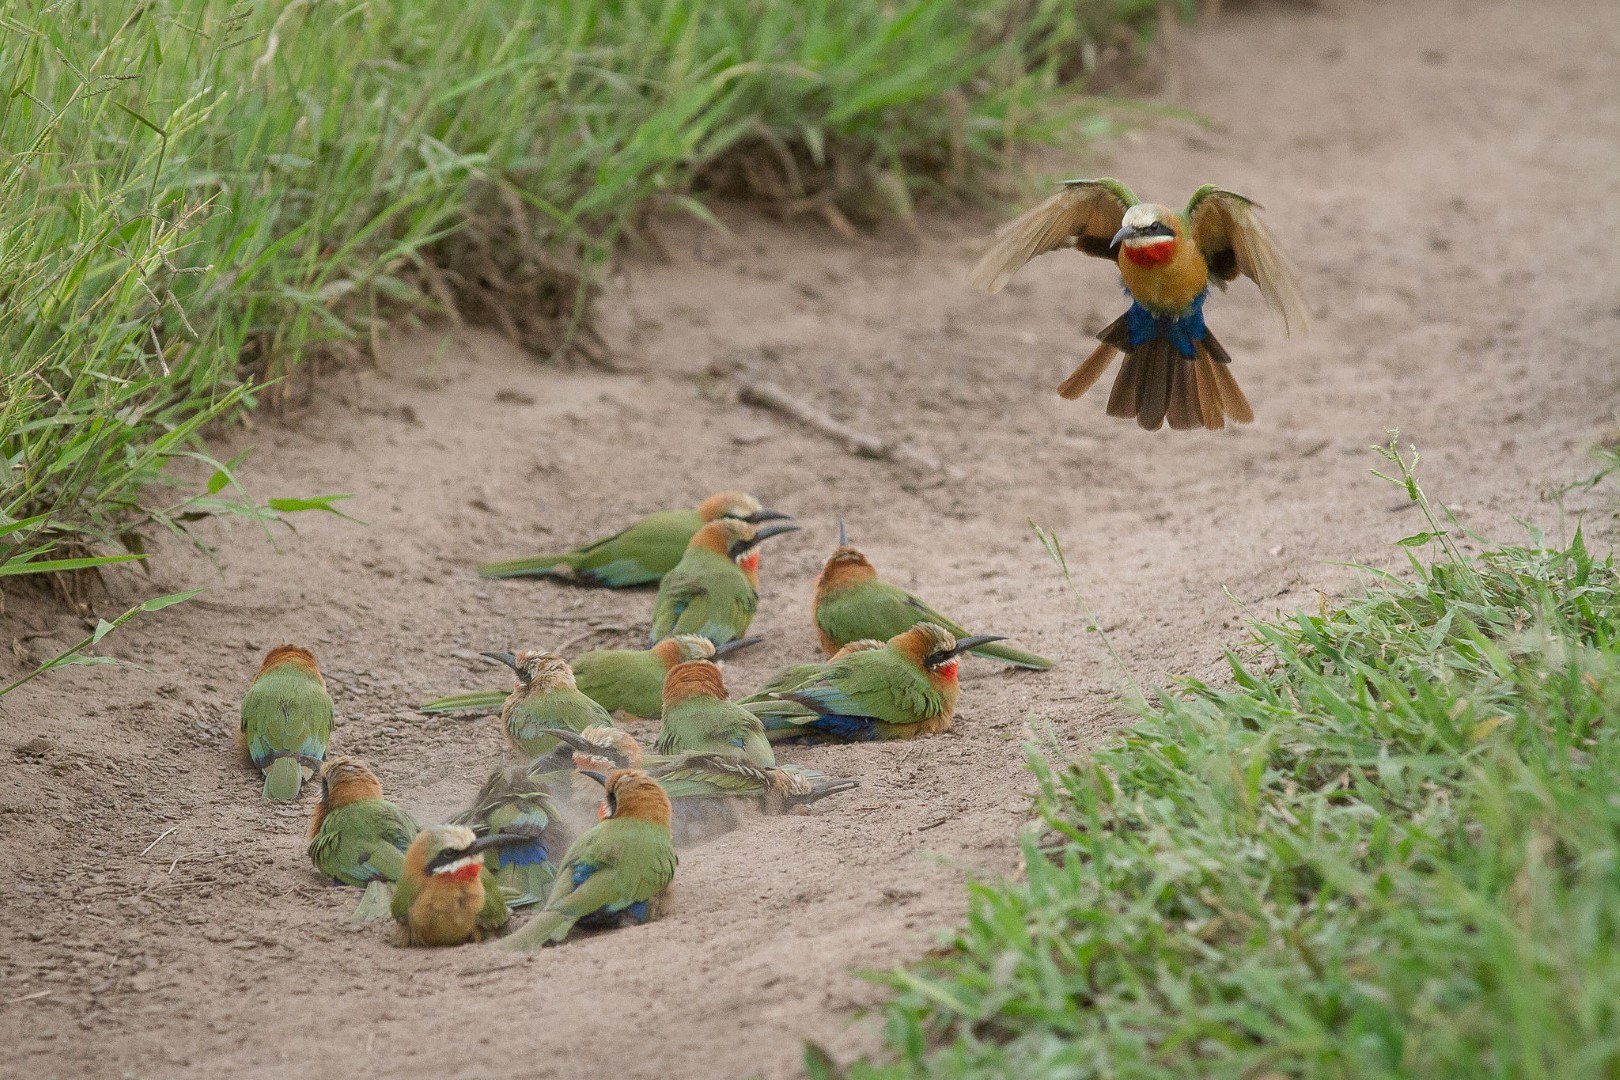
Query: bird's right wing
[{"x": 1085, "y": 214}]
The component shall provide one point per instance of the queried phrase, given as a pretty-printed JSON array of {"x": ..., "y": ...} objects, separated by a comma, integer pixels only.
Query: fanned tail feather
[{"x": 1157, "y": 383}]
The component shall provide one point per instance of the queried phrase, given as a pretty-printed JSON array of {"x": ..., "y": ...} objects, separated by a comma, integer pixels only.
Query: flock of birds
[
  {"x": 891, "y": 660},
  {"x": 890, "y": 673}
]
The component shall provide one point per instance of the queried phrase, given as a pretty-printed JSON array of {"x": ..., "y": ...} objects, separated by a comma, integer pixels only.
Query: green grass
[
  {"x": 196, "y": 196},
  {"x": 1389, "y": 848}
]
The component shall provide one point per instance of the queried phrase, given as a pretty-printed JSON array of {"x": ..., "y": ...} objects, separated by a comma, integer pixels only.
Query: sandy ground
[{"x": 1447, "y": 178}]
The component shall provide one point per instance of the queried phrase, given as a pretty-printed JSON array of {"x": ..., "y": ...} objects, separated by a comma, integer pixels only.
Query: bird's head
[
  {"x": 346, "y": 780},
  {"x": 602, "y": 748},
  {"x": 846, "y": 565},
  {"x": 737, "y": 540},
  {"x": 739, "y": 505},
  {"x": 683, "y": 647},
  {"x": 695, "y": 678},
  {"x": 452, "y": 852},
  {"x": 863, "y": 645},
  {"x": 295, "y": 655},
  {"x": 1148, "y": 234},
  {"x": 632, "y": 794},
  {"x": 537, "y": 672},
  {"x": 935, "y": 649}
]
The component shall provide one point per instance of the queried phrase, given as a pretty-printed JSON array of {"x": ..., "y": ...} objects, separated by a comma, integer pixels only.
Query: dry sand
[{"x": 1447, "y": 178}]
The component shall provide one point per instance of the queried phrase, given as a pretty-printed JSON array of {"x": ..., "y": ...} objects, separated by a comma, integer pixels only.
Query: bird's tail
[
  {"x": 545, "y": 928},
  {"x": 1017, "y": 657},
  {"x": 283, "y": 779},
  {"x": 375, "y": 903},
  {"x": 560, "y": 565},
  {"x": 481, "y": 700},
  {"x": 1157, "y": 383}
]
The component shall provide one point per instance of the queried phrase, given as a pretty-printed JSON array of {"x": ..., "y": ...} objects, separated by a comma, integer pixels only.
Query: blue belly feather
[{"x": 1183, "y": 331}]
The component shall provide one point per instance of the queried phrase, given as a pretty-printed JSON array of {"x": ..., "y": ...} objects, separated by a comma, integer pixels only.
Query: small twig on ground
[
  {"x": 159, "y": 840},
  {"x": 767, "y": 395}
]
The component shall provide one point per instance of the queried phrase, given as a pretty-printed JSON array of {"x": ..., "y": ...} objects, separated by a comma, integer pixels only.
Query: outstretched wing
[
  {"x": 1234, "y": 241},
  {"x": 1086, "y": 213}
]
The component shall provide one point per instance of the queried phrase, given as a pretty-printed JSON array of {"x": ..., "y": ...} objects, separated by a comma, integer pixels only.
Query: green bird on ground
[
  {"x": 905, "y": 689},
  {"x": 286, "y": 721},
  {"x": 641, "y": 554},
  {"x": 694, "y": 776},
  {"x": 445, "y": 894},
  {"x": 517, "y": 801},
  {"x": 625, "y": 681},
  {"x": 714, "y": 590},
  {"x": 355, "y": 835},
  {"x": 546, "y": 698},
  {"x": 852, "y": 602},
  {"x": 699, "y": 719},
  {"x": 618, "y": 873},
  {"x": 791, "y": 678}
]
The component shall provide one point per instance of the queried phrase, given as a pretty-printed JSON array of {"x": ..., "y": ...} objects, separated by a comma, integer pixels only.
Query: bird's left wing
[
  {"x": 1234, "y": 241},
  {"x": 1086, "y": 213}
]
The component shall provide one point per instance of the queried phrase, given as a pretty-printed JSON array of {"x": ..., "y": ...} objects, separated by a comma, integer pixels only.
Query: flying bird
[{"x": 1174, "y": 368}]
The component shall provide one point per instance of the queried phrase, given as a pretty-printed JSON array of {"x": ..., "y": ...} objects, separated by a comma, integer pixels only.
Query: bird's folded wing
[
  {"x": 1086, "y": 214},
  {"x": 1228, "y": 231}
]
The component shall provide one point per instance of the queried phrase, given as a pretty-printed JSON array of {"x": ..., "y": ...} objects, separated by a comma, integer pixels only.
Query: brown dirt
[{"x": 1444, "y": 174}]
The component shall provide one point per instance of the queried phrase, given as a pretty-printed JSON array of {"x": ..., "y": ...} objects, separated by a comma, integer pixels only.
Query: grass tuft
[
  {"x": 1388, "y": 848},
  {"x": 197, "y": 195}
]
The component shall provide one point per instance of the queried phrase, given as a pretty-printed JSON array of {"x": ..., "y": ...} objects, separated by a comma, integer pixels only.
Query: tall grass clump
[
  {"x": 196, "y": 195},
  {"x": 1389, "y": 848}
]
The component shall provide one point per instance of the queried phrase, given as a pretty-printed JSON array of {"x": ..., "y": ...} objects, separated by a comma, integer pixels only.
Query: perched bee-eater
[
  {"x": 641, "y": 554},
  {"x": 851, "y": 603},
  {"x": 905, "y": 689},
  {"x": 619, "y": 872},
  {"x": 545, "y": 699},
  {"x": 715, "y": 588},
  {"x": 698, "y": 718},
  {"x": 703, "y": 776},
  {"x": 356, "y": 836},
  {"x": 445, "y": 894},
  {"x": 286, "y": 721},
  {"x": 629, "y": 682},
  {"x": 795, "y": 676},
  {"x": 1173, "y": 365},
  {"x": 517, "y": 801}
]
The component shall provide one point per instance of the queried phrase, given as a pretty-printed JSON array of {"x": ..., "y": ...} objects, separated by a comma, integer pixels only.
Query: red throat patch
[
  {"x": 1156, "y": 253},
  {"x": 466, "y": 873},
  {"x": 947, "y": 670},
  {"x": 750, "y": 561}
]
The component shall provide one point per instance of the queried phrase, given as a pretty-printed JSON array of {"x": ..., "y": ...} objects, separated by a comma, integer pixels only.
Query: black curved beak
[
  {"x": 1123, "y": 235},
  {"x": 766, "y": 533},
  {"x": 496, "y": 840},
  {"x": 600, "y": 778},
  {"x": 732, "y": 646},
  {"x": 843, "y": 536},
  {"x": 964, "y": 644},
  {"x": 585, "y": 746},
  {"x": 504, "y": 657},
  {"x": 767, "y": 514}
]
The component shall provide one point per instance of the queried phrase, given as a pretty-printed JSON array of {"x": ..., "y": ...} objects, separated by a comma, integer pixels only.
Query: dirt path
[{"x": 1447, "y": 176}]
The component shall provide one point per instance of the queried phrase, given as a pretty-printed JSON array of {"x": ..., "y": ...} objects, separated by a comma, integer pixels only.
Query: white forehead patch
[{"x": 1139, "y": 217}]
